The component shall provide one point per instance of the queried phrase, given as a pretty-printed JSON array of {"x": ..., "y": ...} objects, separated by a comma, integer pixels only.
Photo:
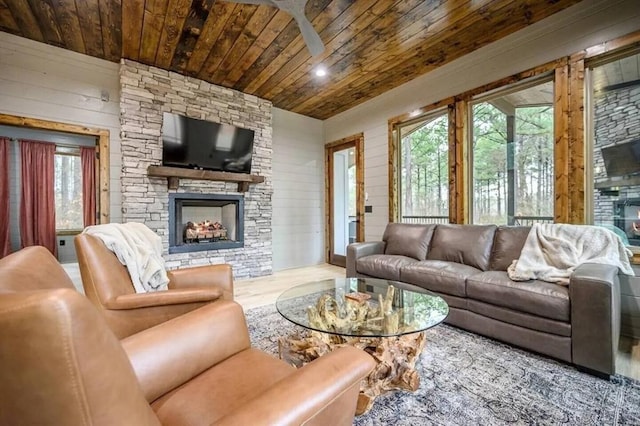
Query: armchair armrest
[
  {"x": 358, "y": 250},
  {"x": 320, "y": 391},
  {"x": 219, "y": 276},
  {"x": 186, "y": 346},
  {"x": 594, "y": 292},
  {"x": 163, "y": 298}
]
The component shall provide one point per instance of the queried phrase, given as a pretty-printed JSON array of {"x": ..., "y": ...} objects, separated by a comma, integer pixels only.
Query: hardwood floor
[{"x": 256, "y": 292}]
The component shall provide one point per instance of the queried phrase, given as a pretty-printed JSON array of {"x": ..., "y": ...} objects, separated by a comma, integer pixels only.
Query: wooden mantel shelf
[{"x": 173, "y": 175}]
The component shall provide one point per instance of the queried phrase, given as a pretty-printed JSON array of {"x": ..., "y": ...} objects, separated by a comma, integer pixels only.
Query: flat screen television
[
  {"x": 199, "y": 144},
  {"x": 622, "y": 159}
]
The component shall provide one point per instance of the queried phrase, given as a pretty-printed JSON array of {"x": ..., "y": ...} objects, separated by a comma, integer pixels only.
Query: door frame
[{"x": 356, "y": 141}]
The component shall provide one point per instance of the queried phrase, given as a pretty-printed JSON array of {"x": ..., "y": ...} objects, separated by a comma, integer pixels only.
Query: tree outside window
[
  {"x": 424, "y": 179},
  {"x": 512, "y": 164},
  {"x": 68, "y": 192}
]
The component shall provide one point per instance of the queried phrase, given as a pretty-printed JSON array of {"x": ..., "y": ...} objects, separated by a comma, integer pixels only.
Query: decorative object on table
[{"x": 350, "y": 319}]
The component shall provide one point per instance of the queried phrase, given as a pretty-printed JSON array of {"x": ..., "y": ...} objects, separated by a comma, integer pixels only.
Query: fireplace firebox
[
  {"x": 627, "y": 218},
  {"x": 199, "y": 222}
]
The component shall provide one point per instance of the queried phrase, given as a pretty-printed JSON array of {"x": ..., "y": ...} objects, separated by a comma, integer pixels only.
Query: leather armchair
[
  {"x": 108, "y": 286},
  {"x": 61, "y": 364}
]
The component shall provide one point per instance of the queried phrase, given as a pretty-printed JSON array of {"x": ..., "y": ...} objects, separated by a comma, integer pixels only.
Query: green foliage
[{"x": 424, "y": 164}]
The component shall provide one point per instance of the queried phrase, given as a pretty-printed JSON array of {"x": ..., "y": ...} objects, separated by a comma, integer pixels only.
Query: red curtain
[
  {"x": 37, "y": 201},
  {"x": 88, "y": 159},
  {"x": 5, "y": 243}
]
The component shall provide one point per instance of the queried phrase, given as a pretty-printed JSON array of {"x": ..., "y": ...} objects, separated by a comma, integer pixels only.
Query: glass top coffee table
[{"x": 385, "y": 318}]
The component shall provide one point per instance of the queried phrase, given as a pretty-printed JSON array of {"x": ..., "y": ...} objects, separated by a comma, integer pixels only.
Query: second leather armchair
[{"x": 108, "y": 286}]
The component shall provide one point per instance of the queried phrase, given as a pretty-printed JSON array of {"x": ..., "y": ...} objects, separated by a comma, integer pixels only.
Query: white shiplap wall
[
  {"x": 49, "y": 83},
  {"x": 298, "y": 190},
  {"x": 588, "y": 23}
]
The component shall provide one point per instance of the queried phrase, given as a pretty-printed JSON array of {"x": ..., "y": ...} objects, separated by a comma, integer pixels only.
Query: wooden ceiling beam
[
  {"x": 25, "y": 20},
  {"x": 178, "y": 11},
  {"x": 350, "y": 21},
  {"x": 229, "y": 35},
  {"x": 153, "y": 16},
  {"x": 390, "y": 40},
  {"x": 470, "y": 37},
  {"x": 111, "y": 27},
  {"x": 284, "y": 39},
  {"x": 213, "y": 27},
  {"x": 262, "y": 42},
  {"x": 469, "y": 34},
  {"x": 297, "y": 47},
  {"x": 46, "y": 16},
  {"x": 257, "y": 23},
  {"x": 132, "y": 21},
  {"x": 191, "y": 30},
  {"x": 7, "y": 23},
  {"x": 89, "y": 21},
  {"x": 69, "y": 23}
]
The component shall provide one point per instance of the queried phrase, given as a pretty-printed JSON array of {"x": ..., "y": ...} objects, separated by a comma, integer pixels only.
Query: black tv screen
[
  {"x": 622, "y": 159},
  {"x": 199, "y": 144}
]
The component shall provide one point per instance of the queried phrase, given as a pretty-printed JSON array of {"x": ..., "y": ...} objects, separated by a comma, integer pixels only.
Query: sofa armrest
[
  {"x": 594, "y": 292},
  {"x": 323, "y": 391},
  {"x": 171, "y": 353},
  {"x": 163, "y": 298},
  {"x": 358, "y": 250},
  {"x": 219, "y": 276}
]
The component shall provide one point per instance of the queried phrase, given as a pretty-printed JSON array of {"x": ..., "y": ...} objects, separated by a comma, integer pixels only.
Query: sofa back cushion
[
  {"x": 507, "y": 245},
  {"x": 408, "y": 239},
  {"x": 466, "y": 244}
]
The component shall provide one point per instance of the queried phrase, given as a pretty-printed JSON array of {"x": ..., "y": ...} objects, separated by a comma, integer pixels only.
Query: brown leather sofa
[
  {"x": 108, "y": 286},
  {"x": 61, "y": 364},
  {"x": 467, "y": 264}
]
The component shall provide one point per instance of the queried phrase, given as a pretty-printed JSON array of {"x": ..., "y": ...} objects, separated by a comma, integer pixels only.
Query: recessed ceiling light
[{"x": 321, "y": 72}]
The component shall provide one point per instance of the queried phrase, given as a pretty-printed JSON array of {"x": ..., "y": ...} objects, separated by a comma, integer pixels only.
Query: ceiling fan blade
[
  {"x": 295, "y": 8},
  {"x": 310, "y": 35}
]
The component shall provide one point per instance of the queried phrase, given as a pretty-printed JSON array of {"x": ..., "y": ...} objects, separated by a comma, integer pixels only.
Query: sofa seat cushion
[
  {"x": 384, "y": 266},
  {"x": 439, "y": 276},
  {"x": 219, "y": 390},
  {"x": 535, "y": 297},
  {"x": 522, "y": 319}
]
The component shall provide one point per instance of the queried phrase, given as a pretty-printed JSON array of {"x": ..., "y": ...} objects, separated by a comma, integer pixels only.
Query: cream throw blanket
[
  {"x": 139, "y": 249},
  {"x": 553, "y": 251}
]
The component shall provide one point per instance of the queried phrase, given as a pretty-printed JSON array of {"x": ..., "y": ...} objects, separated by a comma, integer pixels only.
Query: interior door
[{"x": 345, "y": 196}]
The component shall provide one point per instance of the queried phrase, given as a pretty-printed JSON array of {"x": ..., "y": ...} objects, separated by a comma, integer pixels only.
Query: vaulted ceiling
[{"x": 372, "y": 46}]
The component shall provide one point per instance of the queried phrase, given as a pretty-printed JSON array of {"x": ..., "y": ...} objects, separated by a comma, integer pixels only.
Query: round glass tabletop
[{"x": 362, "y": 307}]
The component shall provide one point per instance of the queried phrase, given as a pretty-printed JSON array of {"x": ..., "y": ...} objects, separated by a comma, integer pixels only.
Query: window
[
  {"x": 512, "y": 157},
  {"x": 68, "y": 189},
  {"x": 423, "y": 179}
]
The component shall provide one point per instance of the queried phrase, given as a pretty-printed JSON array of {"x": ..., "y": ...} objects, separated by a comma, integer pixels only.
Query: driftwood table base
[{"x": 396, "y": 358}]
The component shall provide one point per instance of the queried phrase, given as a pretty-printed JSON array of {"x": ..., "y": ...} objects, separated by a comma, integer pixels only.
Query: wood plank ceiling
[{"x": 372, "y": 46}]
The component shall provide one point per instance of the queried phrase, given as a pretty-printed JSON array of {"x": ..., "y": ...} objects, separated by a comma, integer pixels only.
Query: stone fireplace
[
  {"x": 200, "y": 222},
  {"x": 146, "y": 93}
]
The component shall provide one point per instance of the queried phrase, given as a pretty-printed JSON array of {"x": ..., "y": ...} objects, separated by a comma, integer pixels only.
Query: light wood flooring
[{"x": 262, "y": 291}]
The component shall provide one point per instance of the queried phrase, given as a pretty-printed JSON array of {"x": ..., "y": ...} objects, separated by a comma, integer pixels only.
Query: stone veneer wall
[
  {"x": 147, "y": 92},
  {"x": 617, "y": 120}
]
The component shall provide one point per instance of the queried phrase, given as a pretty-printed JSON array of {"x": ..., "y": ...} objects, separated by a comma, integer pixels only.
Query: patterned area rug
[{"x": 467, "y": 379}]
